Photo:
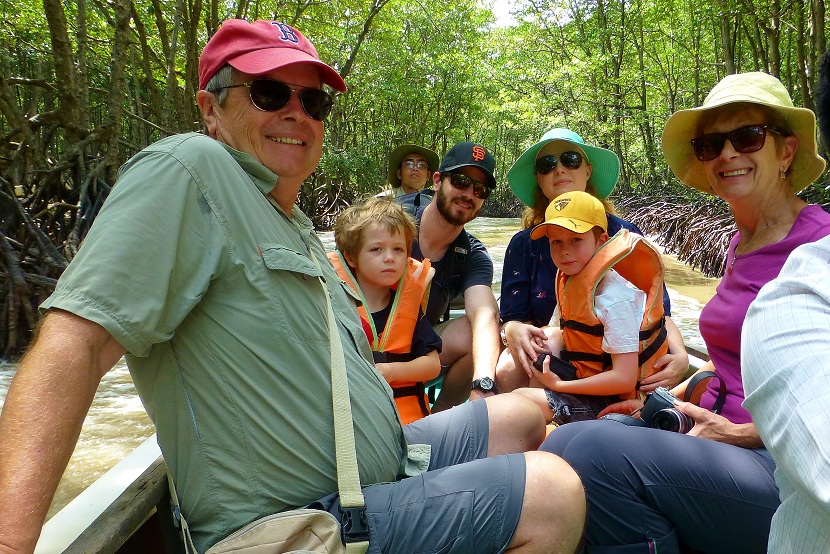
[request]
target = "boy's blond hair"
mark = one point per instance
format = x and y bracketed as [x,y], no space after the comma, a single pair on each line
[348,230]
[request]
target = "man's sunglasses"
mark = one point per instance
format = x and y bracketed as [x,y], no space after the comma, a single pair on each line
[569,159]
[746,139]
[269,96]
[463,182]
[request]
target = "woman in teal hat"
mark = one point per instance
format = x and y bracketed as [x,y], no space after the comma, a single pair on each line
[560,162]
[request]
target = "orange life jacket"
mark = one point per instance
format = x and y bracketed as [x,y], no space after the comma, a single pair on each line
[396,337]
[639,262]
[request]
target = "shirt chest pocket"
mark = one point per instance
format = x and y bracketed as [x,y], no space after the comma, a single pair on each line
[281,258]
[293,282]
[290,281]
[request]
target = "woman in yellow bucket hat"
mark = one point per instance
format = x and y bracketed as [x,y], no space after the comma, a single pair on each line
[650,490]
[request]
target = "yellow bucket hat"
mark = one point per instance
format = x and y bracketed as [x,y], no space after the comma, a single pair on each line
[753,88]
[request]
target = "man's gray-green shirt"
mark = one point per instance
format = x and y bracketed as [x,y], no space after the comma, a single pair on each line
[212,291]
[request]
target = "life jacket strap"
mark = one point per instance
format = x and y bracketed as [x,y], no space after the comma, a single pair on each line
[646,333]
[651,349]
[597,330]
[418,391]
[573,356]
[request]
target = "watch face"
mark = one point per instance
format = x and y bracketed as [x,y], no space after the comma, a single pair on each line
[486,384]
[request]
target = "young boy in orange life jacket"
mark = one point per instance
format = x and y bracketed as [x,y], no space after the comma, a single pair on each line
[374,242]
[609,308]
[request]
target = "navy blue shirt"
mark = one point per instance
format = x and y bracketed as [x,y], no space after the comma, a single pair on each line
[465,264]
[528,280]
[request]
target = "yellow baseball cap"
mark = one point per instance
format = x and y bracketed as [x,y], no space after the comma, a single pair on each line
[576,211]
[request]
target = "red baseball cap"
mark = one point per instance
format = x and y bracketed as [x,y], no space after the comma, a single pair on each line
[260,47]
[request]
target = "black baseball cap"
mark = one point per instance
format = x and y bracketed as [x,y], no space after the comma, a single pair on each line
[470,153]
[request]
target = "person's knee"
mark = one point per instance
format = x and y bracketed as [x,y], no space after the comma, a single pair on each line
[551,473]
[593,443]
[509,376]
[456,339]
[553,509]
[516,424]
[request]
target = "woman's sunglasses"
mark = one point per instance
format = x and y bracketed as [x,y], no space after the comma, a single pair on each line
[569,159]
[746,139]
[269,96]
[463,182]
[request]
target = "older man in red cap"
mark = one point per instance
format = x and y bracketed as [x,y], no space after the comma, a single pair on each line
[205,275]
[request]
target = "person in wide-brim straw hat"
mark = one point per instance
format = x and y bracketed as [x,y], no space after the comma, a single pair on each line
[560,162]
[752,148]
[757,88]
[401,153]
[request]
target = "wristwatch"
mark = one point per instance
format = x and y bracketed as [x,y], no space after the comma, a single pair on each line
[503,334]
[485,384]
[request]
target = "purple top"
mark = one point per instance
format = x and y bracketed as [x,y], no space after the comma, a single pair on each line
[722,318]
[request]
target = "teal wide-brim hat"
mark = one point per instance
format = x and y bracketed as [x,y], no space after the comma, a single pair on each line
[750,88]
[605,166]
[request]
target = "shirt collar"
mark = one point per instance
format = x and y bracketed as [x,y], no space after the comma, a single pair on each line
[265,180]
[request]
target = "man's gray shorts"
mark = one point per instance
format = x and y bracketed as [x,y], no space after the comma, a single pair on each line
[464,503]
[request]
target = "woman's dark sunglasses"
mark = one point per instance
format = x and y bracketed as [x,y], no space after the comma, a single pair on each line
[269,96]
[746,139]
[569,159]
[463,182]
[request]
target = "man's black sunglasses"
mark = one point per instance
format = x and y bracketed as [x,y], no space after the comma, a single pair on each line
[463,182]
[269,95]
[569,159]
[746,139]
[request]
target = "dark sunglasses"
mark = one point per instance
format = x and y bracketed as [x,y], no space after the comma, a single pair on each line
[269,96]
[463,182]
[569,159]
[746,139]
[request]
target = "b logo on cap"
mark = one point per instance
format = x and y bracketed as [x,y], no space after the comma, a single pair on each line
[478,153]
[287,32]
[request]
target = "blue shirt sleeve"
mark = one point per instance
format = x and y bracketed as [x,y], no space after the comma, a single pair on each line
[528,281]
[424,338]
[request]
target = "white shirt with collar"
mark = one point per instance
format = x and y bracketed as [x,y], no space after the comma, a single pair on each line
[785,359]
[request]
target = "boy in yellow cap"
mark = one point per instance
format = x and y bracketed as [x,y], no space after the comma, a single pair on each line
[611,329]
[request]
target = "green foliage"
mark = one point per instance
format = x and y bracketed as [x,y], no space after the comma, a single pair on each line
[423,71]
[433,73]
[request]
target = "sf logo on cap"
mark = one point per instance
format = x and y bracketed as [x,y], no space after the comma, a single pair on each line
[478,153]
[287,32]
[560,205]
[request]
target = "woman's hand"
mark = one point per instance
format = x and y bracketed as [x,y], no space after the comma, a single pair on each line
[525,342]
[625,407]
[672,369]
[715,427]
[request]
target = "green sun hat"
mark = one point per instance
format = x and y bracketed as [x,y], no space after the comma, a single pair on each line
[605,166]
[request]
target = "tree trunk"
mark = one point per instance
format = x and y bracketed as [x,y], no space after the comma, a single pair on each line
[727,50]
[69,90]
